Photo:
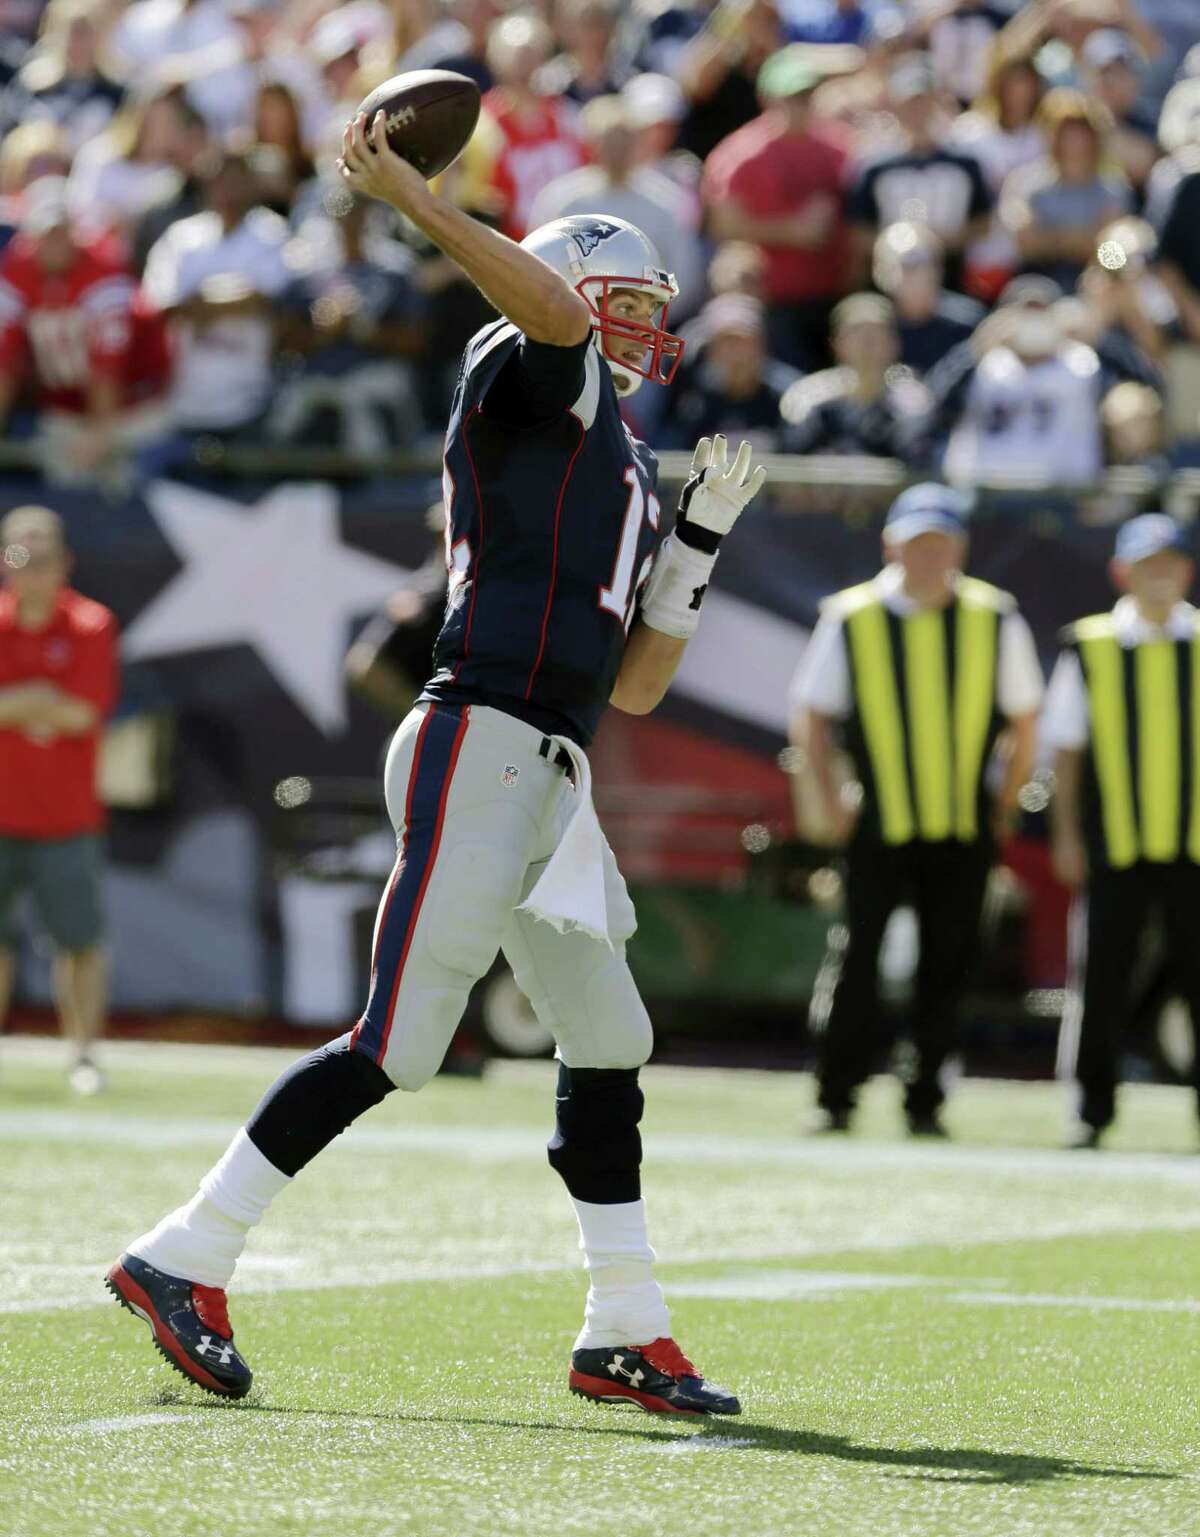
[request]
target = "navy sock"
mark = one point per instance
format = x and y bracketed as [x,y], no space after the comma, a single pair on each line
[313,1102]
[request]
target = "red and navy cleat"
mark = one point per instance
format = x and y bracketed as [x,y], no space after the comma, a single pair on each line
[189,1323]
[658,1377]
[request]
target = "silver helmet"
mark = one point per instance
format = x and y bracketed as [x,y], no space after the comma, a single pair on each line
[599,254]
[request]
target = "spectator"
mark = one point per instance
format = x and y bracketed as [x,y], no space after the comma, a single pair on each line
[613,184]
[58,681]
[656,108]
[62,78]
[188,150]
[34,150]
[1126,312]
[338,43]
[353,313]
[778,182]
[1001,131]
[525,138]
[1135,427]
[1111,66]
[1022,403]
[734,386]
[930,320]
[459,42]
[1056,207]
[719,69]
[282,160]
[828,21]
[214,278]
[961,38]
[155,40]
[864,405]
[128,168]
[738,267]
[589,66]
[926,182]
[1179,136]
[1179,250]
[66,326]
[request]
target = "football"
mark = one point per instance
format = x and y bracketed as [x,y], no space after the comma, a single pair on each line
[431,113]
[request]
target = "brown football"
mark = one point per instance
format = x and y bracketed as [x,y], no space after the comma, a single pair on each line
[431,113]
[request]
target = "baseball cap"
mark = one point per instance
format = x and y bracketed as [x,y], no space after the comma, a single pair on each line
[1109,45]
[654,99]
[1147,534]
[912,75]
[787,72]
[1032,290]
[929,508]
[862,309]
[45,205]
[737,313]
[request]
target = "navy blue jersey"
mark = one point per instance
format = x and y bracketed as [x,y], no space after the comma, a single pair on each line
[552,524]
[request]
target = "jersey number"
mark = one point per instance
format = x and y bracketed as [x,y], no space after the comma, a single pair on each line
[617,598]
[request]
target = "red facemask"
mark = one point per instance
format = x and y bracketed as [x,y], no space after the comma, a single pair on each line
[665,349]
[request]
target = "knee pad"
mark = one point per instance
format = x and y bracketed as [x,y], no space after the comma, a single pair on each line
[596,1147]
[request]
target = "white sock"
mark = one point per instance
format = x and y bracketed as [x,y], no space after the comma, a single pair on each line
[625,1304]
[203,1240]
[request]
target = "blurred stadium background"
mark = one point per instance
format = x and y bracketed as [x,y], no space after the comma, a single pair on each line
[238,416]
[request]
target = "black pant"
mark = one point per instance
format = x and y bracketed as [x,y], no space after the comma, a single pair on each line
[945,883]
[1119,904]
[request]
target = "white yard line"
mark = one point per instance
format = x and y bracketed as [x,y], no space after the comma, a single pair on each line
[487,1142]
[128,1422]
[1088,1304]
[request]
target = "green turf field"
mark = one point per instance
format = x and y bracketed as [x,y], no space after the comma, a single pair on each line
[989,1338]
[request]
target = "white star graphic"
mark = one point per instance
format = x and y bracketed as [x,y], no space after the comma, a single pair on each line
[275,576]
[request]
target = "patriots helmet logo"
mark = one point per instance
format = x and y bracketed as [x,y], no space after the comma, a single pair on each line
[588,233]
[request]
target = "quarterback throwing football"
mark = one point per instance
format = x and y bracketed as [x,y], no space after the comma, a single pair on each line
[563,597]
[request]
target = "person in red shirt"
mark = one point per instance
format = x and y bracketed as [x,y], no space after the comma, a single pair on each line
[778,182]
[58,681]
[532,138]
[68,324]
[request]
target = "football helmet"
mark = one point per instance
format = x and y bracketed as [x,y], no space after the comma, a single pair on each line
[599,254]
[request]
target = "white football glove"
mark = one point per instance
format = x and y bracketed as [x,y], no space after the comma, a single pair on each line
[716,493]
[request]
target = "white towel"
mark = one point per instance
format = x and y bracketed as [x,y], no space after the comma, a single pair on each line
[570,893]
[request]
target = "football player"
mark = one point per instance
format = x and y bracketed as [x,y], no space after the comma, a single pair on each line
[563,597]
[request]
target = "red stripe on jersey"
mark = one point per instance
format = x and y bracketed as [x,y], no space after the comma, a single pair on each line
[562,491]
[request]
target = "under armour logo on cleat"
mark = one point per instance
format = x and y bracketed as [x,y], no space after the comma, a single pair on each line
[618,1368]
[208,1346]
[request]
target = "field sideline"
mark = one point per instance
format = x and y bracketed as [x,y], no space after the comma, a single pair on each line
[988,1339]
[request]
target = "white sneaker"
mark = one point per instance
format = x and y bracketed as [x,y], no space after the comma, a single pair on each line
[86,1078]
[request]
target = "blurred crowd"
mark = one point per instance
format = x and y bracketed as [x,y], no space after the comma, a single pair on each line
[961,234]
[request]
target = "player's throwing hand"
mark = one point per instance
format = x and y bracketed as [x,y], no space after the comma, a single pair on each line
[716,492]
[371,166]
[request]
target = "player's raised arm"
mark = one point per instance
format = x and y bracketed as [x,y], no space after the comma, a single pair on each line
[713,499]
[521,286]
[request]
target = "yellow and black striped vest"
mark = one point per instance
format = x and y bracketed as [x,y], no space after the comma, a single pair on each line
[924,716]
[1142,786]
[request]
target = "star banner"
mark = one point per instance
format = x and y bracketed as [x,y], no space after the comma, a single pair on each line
[237,604]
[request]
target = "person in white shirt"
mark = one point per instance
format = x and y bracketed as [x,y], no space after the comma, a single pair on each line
[1021,405]
[1120,718]
[215,276]
[925,674]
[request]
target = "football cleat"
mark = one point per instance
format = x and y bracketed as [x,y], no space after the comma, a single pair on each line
[189,1323]
[658,1377]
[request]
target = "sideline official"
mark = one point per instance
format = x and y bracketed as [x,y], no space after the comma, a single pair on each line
[1123,717]
[923,669]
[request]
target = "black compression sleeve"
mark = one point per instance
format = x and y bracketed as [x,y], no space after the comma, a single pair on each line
[538,382]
